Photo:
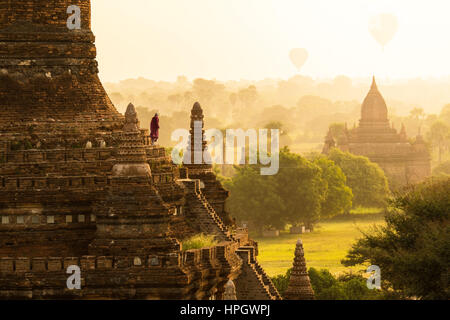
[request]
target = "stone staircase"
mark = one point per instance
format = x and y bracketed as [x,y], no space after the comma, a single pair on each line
[253,283]
[202,214]
[266,280]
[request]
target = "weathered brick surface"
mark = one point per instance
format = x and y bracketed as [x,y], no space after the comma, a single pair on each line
[253,283]
[80,185]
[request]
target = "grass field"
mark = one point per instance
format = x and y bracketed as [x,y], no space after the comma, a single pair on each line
[324,248]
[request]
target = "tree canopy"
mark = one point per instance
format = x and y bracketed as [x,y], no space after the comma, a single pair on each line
[339,196]
[413,248]
[366,179]
[302,192]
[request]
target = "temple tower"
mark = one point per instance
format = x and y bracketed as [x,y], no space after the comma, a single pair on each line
[79,184]
[56,128]
[197,148]
[49,85]
[374,109]
[402,162]
[299,287]
[133,219]
[198,168]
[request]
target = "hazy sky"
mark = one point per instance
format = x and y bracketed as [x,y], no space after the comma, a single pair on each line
[252,39]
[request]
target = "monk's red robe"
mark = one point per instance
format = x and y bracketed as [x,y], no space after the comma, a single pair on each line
[154,128]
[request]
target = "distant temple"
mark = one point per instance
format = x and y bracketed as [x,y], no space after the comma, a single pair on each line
[80,184]
[403,162]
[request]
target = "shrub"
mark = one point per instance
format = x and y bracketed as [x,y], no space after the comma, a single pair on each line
[199,241]
[348,286]
[281,282]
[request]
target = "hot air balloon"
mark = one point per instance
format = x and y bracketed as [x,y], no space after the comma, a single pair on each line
[298,57]
[383,27]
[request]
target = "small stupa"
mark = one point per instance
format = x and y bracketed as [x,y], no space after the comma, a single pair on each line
[299,287]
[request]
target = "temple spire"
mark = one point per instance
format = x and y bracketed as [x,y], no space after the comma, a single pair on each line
[197,150]
[374,86]
[374,110]
[299,287]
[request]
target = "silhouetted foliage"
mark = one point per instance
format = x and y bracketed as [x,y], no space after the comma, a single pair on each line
[326,286]
[413,249]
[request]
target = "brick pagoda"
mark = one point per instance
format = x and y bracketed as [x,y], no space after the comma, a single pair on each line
[80,184]
[402,161]
[299,287]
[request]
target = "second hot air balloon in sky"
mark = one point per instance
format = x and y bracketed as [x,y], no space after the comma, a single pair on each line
[383,28]
[298,57]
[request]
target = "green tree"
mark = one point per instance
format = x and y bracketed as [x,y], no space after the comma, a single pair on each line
[413,248]
[348,286]
[301,187]
[294,195]
[281,281]
[338,199]
[255,198]
[326,286]
[302,192]
[366,179]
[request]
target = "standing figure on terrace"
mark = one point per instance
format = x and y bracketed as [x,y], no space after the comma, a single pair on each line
[154,129]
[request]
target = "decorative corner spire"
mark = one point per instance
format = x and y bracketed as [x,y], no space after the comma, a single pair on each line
[131,119]
[197,107]
[130,109]
[403,130]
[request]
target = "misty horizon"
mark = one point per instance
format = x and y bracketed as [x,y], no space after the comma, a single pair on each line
[252,40]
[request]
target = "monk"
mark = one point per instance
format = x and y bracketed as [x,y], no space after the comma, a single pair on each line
[154,129]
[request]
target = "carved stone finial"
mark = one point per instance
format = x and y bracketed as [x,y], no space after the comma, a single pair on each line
[131,119]
[197,113]
[197,107]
